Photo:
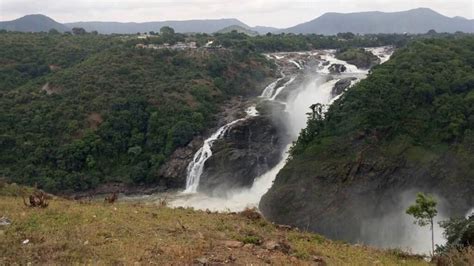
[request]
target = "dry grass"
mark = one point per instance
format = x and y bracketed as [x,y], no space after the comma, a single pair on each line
[456,257]
[68,232]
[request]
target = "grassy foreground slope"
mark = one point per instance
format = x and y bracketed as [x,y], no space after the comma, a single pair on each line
[125,233]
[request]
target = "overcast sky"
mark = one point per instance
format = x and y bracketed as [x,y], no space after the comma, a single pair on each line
[277,13]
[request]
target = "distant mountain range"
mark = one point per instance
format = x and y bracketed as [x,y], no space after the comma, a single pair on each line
[418,20]
[38,23]
[33,23]
[185,26]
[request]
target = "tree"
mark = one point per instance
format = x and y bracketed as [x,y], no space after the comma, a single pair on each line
[53,31]
[459,233]
[167,31]
[424,210]
[78,31]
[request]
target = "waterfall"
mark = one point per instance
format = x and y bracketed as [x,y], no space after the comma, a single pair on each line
[316,90]
[296,64]
[282,88]
[196,166]
[469,213]
[383,53]
[270,89]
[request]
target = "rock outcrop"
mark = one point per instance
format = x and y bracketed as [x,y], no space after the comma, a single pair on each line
[248,149]
[359,57]
[174,170]
[360,201]
[337,68]
[341,85]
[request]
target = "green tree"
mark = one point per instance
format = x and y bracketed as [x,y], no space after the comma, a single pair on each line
[78,31]
[53,31]
[167,31]
[424,210]
[459,233]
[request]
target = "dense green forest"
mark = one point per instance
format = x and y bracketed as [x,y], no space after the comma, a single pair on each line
[411,119]
[77,111]
[423,97]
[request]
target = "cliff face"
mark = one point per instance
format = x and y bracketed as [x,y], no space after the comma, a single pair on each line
[339,196]
[249,149]
[407,128]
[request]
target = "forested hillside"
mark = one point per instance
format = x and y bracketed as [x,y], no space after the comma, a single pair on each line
[80,110]
[76,111]
[408,126]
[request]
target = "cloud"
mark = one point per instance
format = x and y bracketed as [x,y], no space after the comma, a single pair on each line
[280,13]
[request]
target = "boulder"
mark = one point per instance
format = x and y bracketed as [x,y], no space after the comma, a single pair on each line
[337,68]
[341,85]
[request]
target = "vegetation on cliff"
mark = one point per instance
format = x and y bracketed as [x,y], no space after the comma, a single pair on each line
[418,103]
[358,57]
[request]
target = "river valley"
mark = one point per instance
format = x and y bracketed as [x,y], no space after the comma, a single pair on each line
[226,179]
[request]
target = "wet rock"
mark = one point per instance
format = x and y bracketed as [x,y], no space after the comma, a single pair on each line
[337,68]
[363,203]
[341,85]
[249,149]
[174,170]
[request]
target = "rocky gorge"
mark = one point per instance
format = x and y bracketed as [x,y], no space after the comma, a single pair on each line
[250,150]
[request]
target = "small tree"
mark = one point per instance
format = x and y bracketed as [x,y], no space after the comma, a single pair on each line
[424,210]
[53,31]
[78,31]
[166,30]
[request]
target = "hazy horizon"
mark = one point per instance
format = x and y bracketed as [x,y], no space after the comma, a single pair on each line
[278,14]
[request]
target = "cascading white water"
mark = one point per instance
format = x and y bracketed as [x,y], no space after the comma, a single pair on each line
[469,213]
[296,64]
[331,58]
[196,166]
[280,89]
[383,53]
[316,90]
[235,200]
[270,89]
